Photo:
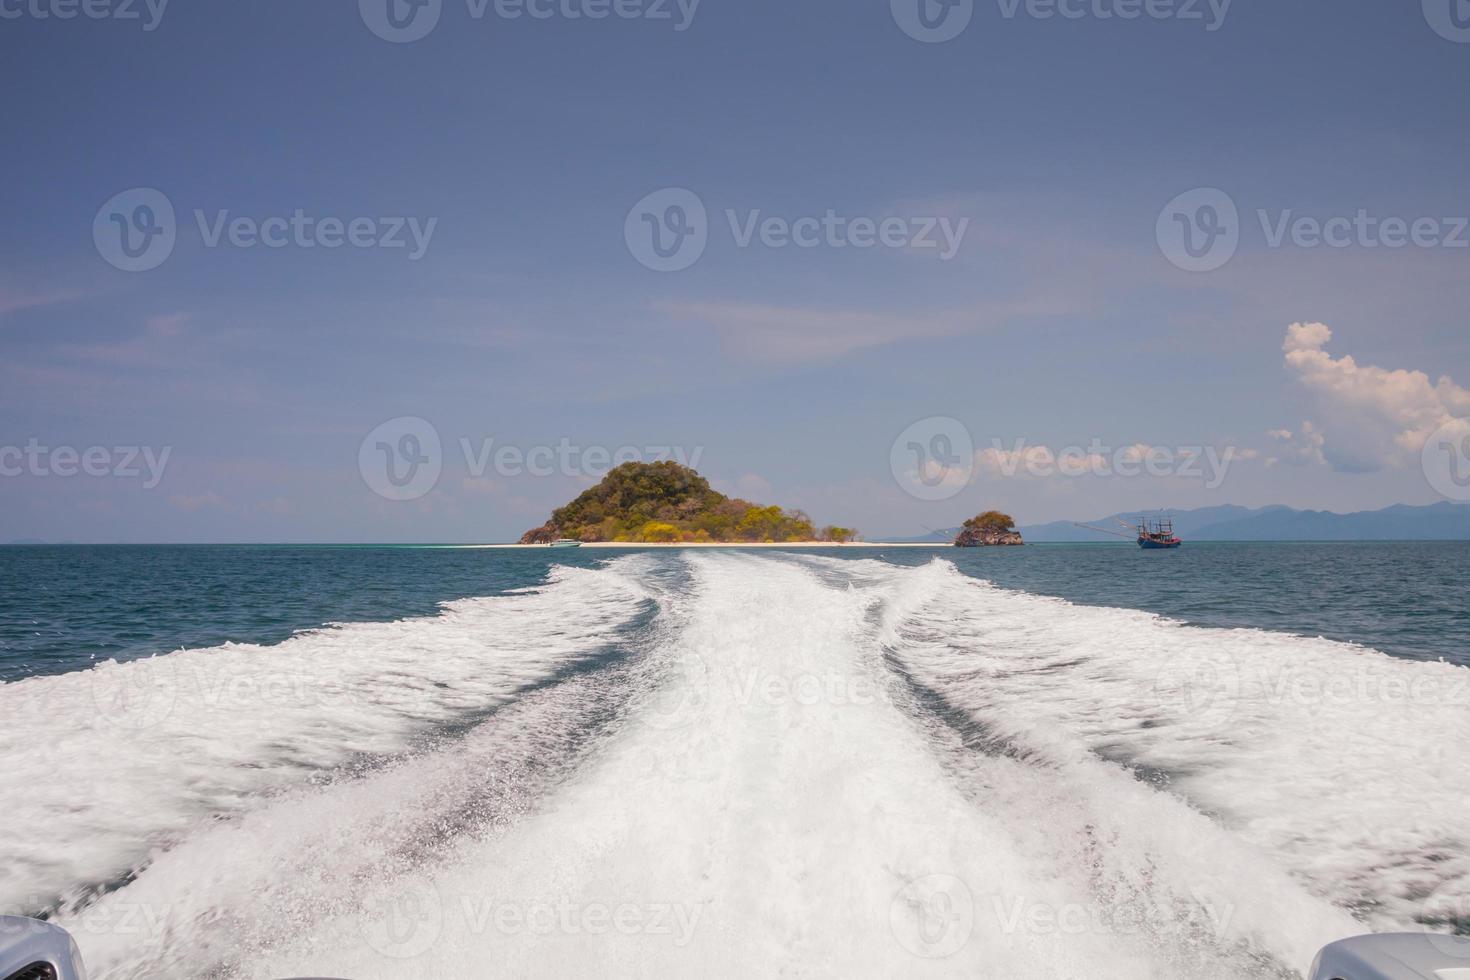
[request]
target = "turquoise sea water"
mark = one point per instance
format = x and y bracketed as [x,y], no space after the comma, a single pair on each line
[389,762]
[65,607]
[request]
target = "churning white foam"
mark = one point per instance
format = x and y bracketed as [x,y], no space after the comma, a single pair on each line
[806,766]
[770,808]
[104,765]
[1342,763]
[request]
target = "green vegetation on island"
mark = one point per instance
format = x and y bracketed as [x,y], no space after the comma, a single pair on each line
[988,529]
[665,502]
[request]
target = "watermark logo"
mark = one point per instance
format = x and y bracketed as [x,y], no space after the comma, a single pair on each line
[937,21]
[401,459]
[565,458]
[681,696]
[1210,13]
[1199,230]
[668,230]
[401,21]
[1021,914]
[1449,18]
[1201,693]
[136,230]
[836,231]
[1446,460]
[676,922]
[148,12]
[404,921]
[121,462]
[1216,692]
[135,696]
[1364,229]
[933,21]
[302,230]
[933,459]
[405,21]
[933,916]
[1207,464]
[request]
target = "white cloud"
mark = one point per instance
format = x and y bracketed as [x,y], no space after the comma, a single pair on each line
[1298,447]
[1369,417]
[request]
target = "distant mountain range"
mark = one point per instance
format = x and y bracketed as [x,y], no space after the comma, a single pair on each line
[1401,522]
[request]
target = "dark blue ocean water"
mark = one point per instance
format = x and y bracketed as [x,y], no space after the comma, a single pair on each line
[63,608]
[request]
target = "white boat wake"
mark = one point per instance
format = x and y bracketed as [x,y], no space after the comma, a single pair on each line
[796,765]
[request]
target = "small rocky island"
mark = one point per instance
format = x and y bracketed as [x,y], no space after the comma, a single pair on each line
[989,529]
[667,503]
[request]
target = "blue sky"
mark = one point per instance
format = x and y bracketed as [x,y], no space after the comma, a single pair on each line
[529,320]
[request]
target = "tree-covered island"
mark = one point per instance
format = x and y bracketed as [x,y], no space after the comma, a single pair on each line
[666,502]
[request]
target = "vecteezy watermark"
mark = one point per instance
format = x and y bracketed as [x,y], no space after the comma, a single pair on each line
[669,230]
[678,922]
[404,920]
[136,231]
[108,915]
[806,689]
[933,459]
[933,916]
[115,916]
[1207,464]
[1212,691]
[134,696]
[937,21]
[1446,460]
[684,687]
[147,12]
[121,462]
[1200,230]
[1022,914]
[403,458]
[1209,13]
[680,694]
[301,230]
[932,21]
[1449,18]
[1200,692]
[405,21]
[565,458]
[141,694]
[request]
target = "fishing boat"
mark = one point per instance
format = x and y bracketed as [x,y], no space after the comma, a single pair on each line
[1157,534]
[565,543]
[1151,535]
